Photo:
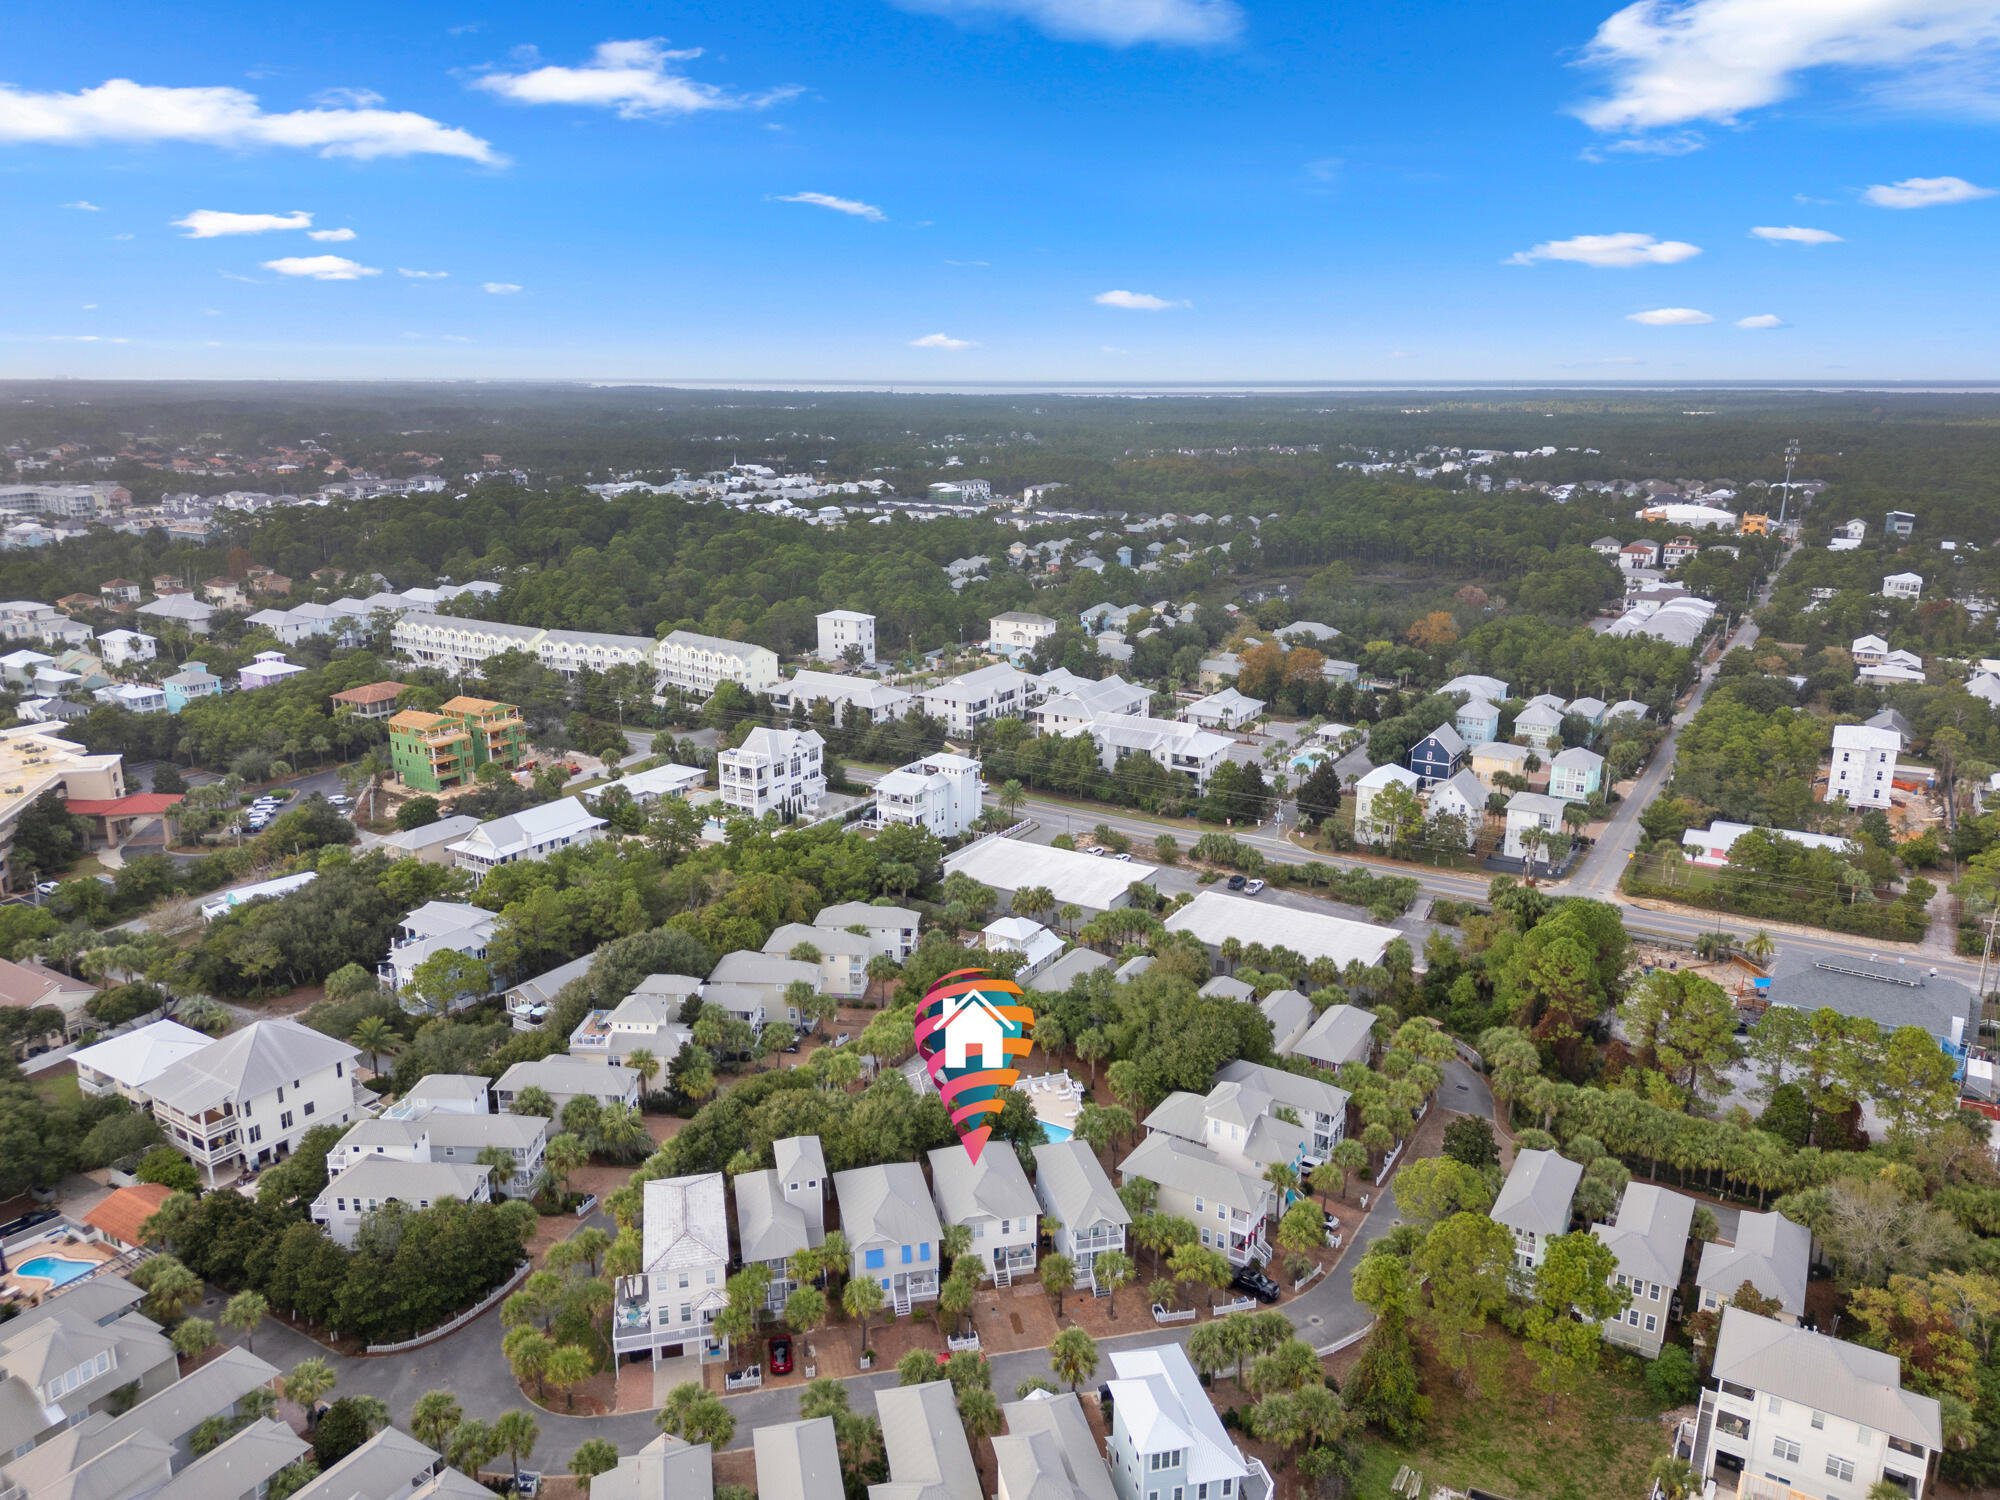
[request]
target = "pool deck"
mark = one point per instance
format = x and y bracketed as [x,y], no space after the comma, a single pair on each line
[18,1286]
[1056,1097]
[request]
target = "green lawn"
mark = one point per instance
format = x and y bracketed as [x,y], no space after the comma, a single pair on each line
[59,1090]
[1506,1443]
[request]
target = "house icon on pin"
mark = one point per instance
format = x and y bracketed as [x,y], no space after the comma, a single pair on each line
[972,1024]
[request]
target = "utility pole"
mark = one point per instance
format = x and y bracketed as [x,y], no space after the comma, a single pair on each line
[1986,953]
[1791,458]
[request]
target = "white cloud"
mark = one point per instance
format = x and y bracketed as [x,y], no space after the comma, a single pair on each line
[1117,23]
[1761,320]
[1136,301]
[84,338]
[210,223]
[1673,61]
[852,206]
[1925,192]
[90,307]
[330,236]
[121,110]
[635,78]
[1625,249]
[499,288]
[355,98]
[1792,234]
[321,267]
[1670,317]
[421,275]
[1680,143]
[940,341]
[85,206]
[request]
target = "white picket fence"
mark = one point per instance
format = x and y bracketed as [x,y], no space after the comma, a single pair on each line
[968,1344]
[1161,1315]
[1318,1270]
[1241,1304]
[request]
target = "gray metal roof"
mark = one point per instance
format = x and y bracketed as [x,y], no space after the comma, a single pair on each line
[768,1227]
[667,1468]
[389,1463]
[240,1466]
[1343,1033]
[1889,994]
[253,1061]
[1072,965]
[929,1457]
[1538,1193]
[1049,1452]
[1076,1186]
[1864,1386]
[1295,1089]
[1771,1253]
[994,1187]
[886,1202]
[798,1461]
[1650,1234]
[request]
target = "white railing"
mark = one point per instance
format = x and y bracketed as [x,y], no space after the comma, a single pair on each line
[744,1380]
[452,1325]
[1389,1164]
[1241,1304]
[1161,1315]
[1318,1270]
[970,1343]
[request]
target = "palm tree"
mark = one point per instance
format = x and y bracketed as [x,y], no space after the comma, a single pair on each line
[500,1161]
[696,1415]
[641,1061]
[434,1418]
[192,1338]
[375,1036]
[569,1364]
[564,1155]
[593,1456]
[862,1297]
[309,1381]
[979,1412]
[1111,1270]
[1073,1356]
[1058,1275]
[515,1434]
[245,1311]
[622,1133]
[1760,948]
[528,1349]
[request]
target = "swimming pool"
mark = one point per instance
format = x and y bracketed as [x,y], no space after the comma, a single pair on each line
[1054,1133]
[57,1270]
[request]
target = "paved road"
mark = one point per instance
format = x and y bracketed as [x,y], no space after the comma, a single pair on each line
[468,1363]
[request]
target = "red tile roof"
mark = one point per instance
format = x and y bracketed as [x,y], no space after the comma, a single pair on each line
[124,1211]
[123,807]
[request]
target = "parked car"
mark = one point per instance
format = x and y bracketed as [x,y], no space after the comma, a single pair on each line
[1093,849]
[1253,887]
[1237,882]
[781,1356]
[1125,855]
[1256,1283]
[47,887]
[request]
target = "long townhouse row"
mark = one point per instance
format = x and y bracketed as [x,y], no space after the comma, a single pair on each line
[693,663]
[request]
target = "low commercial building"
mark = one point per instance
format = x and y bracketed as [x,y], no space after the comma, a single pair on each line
[1214,918]
[1091,884]
[1710,846]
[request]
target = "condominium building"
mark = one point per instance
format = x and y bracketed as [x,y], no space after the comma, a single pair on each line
[1017,632]
[246,1100]
[964,703]
[843,629]
[698,664]
[434,752]
[1863,769]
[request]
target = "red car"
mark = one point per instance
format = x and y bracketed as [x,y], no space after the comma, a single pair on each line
[781,1356]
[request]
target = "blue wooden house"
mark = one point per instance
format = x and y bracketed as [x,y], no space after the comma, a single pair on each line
[1439,755]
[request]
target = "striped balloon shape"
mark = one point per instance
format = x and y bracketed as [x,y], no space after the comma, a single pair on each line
[972,1094]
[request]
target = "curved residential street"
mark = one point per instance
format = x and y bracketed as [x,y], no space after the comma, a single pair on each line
[468,1363]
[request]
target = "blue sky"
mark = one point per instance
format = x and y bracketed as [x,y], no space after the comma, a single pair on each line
[966,190]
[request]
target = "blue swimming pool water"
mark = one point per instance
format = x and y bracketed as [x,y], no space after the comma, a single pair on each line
[56,1269]
[1054,1133]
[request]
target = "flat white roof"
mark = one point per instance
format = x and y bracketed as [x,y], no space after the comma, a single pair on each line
[1097,882]
[1213,916]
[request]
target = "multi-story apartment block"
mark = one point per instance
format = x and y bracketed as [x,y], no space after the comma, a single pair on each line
[1863,769]
[964,703]
[781,1211]
[573,651]
[245,1100]
[1534,1204]
[1788,1411]
[941,793]
[1166,1439]
[774,770]
[992,1198]
[458,644]
[843,629]
[684,1267]
[892,1230]
[1074,1190]
[698,664]
[434,752]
